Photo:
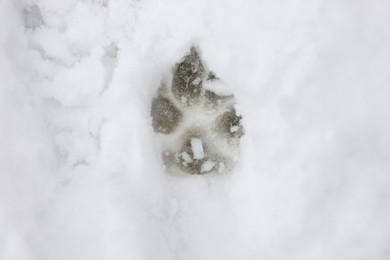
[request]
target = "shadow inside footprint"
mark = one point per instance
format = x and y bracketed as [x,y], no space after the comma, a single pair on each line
[32,17]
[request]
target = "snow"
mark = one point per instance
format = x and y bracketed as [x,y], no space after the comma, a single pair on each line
[197,148]
[186,157]
[207,166]
[81,175]
[196,81]
[218,87]
[234,129]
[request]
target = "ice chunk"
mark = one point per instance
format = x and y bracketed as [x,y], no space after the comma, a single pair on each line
[186,157]
[196,81]
[207,166]
[234,129]
[197,148]
[218,87]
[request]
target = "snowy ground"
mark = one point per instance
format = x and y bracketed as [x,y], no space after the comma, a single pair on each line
[80,168]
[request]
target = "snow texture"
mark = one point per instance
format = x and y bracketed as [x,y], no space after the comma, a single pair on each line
[81,175]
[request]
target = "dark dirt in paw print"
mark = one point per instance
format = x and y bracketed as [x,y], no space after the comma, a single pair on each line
[166,116]
[196,124]
[187,79]
[229,124]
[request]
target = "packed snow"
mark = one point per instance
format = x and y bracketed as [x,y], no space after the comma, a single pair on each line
[207,166]
[186,157]
[197,148]
[81,173]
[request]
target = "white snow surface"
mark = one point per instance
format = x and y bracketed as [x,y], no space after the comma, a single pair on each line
[81,175]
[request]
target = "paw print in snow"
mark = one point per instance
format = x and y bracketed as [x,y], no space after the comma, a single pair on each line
[196,119]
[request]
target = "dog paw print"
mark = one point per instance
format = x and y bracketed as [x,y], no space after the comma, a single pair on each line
[195,117]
